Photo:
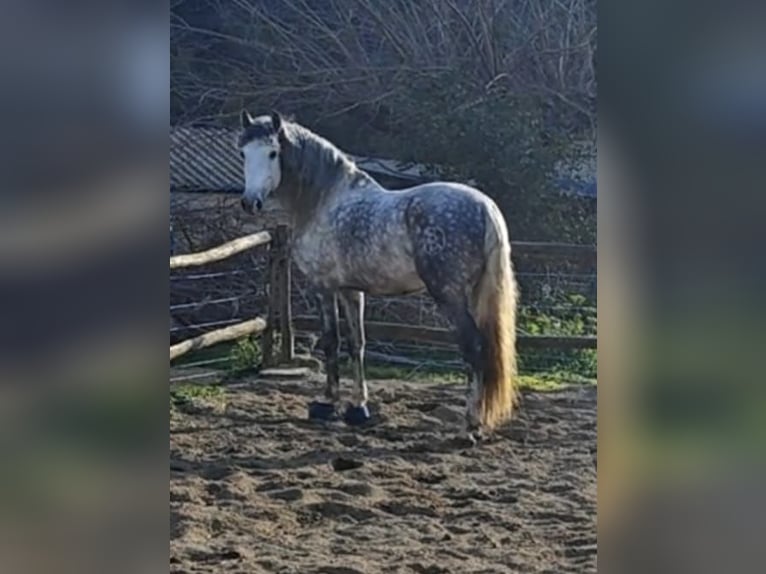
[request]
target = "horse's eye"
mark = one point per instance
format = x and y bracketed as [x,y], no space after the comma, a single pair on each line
[272,155]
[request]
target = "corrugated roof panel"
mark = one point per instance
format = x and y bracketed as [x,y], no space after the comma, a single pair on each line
[204,159]
[207,159]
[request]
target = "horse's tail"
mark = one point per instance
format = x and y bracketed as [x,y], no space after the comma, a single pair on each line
[494,309]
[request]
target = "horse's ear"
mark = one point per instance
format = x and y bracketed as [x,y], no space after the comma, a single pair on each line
[276,121]
[246,119]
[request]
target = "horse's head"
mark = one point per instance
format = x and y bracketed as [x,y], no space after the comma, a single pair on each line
[259,144]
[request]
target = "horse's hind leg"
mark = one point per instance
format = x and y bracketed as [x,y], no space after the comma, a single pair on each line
[353,305]
[329,343]
[469,341]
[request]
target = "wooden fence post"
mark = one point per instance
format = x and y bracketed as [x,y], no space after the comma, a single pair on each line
[285,306]
[272,301]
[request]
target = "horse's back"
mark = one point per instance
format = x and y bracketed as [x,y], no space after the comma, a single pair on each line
[396,242]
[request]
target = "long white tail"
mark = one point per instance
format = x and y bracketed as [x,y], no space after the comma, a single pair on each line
[494,309]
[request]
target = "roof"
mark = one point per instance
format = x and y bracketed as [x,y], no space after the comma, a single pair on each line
[205,159]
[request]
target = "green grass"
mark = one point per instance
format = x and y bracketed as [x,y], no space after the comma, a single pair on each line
[552,381]
[190,391]
[183,395]
[568,369]
[542,381]
[245,354]
[541,369]
[375,370]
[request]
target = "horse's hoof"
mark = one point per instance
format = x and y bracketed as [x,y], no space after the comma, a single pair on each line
[473,437]
[356,416]
[319,411]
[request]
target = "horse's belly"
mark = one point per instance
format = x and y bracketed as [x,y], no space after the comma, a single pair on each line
[320,265]
[400,280]
[332,268]
[361,244]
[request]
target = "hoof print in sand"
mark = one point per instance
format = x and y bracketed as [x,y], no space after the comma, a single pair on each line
[463,442]
[322,411]
[356,416]
[340,464]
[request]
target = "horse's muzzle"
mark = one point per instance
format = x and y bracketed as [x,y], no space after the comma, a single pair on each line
[249,204]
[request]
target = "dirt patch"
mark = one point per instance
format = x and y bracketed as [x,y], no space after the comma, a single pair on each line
[255,487]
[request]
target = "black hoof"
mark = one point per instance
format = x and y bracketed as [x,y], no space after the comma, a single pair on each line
[322,411]
[472,437]
[356,416]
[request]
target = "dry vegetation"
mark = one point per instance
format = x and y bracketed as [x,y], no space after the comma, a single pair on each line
[341,56]
[491,91]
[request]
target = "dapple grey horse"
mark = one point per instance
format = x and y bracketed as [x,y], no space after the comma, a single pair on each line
[352,236]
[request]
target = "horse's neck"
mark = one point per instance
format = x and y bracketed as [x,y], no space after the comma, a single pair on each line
[319,175]
[307,206]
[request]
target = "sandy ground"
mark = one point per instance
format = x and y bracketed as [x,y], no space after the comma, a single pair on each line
[255,487]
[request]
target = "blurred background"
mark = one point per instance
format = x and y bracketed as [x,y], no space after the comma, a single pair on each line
[83,286]
[682,119]
[86,103]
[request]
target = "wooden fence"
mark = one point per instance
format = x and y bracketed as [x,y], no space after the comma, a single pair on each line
[278,314]
[279,319]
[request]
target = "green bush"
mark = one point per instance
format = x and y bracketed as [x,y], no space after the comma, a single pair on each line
[496,139]
[245,354]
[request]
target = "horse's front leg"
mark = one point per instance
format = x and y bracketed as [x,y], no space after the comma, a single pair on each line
[330,343]
[353,305]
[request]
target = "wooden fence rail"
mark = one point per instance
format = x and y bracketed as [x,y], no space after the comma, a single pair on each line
[438,336]
[566,251]
[222,251]
[279,304]
[279,317]
[230,333]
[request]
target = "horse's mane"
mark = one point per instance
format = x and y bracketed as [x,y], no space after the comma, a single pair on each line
[312,169]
